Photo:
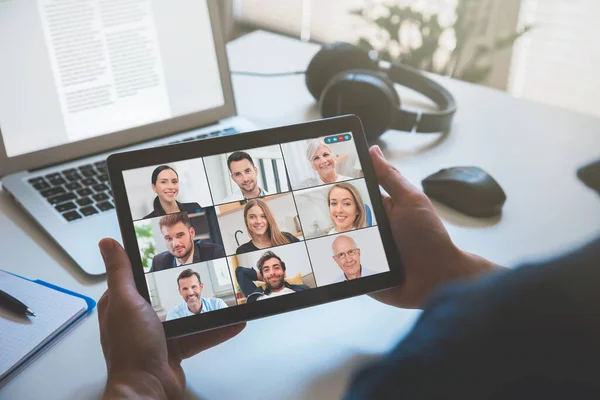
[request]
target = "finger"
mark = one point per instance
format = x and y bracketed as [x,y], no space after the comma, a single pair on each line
[388,205]
[102,304]
[194,344]
[118,268]
[389,177]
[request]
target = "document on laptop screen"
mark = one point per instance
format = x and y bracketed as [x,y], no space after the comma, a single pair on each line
[84,68]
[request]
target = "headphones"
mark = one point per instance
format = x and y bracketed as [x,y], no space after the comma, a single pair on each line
[345,80]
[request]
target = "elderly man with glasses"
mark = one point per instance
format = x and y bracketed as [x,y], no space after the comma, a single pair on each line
[347,256]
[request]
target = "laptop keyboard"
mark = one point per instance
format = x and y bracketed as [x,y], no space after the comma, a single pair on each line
[84,191]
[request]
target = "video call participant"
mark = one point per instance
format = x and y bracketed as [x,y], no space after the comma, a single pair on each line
[190,288]
[347,256]
[271,270]
[346,208]
[165,183]
[322,160]
[181,247]
[262,228]
[244,173]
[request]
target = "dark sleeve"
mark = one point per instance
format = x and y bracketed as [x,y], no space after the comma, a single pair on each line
[299,288]
[210,251]
[219,251]
[245,278]
[290,237]
[527,333]
[158,262]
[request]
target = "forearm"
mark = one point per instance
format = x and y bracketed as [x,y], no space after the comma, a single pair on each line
[474,266]
[245,277]
[134,386]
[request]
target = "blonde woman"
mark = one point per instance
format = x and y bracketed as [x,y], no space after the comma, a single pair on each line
[346,208]
[262,228]
[322,160]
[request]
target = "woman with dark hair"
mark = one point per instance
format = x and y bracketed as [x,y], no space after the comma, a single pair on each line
[262,228]
[165,183]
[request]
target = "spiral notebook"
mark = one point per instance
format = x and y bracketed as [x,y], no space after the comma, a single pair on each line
[23,339]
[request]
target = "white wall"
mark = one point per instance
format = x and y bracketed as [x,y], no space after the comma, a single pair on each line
[282,207]
[313,208]
[372,255]
[166,282]
[294,255]
[221,184]
[300,169]
[193,186]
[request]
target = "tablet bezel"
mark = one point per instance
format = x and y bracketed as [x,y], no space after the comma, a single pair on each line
[117,163]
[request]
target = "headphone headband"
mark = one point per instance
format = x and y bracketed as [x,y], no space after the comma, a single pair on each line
[422,122]
[344,79]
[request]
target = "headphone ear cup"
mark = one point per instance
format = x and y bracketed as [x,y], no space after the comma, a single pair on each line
[369,95]
[332,59]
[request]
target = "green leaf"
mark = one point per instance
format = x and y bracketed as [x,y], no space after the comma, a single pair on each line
[363,43]
[476,74]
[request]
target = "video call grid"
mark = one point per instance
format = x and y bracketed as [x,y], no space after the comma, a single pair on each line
[204,264]
[293,192]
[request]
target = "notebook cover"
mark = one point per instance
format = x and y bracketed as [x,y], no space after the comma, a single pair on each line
[58,335]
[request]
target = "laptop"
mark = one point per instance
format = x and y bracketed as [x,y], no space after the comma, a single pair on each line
[81,80]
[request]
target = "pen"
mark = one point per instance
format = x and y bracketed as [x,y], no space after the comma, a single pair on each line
[13,304]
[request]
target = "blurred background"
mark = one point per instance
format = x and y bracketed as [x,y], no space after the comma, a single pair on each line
[543,50]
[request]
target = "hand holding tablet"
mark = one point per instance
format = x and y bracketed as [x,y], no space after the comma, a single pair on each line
[430,260]
[221,231]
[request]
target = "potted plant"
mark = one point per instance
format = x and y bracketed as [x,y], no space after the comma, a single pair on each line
[406,35]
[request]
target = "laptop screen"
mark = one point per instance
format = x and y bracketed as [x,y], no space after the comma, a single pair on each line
[78,69]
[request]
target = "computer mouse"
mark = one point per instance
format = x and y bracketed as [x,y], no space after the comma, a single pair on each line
[469,190]
[590,175]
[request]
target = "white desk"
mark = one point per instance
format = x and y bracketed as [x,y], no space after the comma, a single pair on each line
[532,150]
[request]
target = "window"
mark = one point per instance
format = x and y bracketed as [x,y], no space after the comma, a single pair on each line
[556,62]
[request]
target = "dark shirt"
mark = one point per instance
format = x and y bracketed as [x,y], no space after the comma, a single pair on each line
[247,276]
[158,211]
[528,333]
[247,247]
[203,251]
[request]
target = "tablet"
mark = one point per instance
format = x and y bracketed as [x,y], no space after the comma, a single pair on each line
[236,228]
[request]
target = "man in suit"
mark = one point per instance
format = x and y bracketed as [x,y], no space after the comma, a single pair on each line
[271,270]
[181,247]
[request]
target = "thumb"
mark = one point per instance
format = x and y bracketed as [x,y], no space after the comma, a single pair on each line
[389,177]
[118,268]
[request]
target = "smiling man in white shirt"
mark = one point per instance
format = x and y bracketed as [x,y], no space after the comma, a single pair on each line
[245,175]
[190,288]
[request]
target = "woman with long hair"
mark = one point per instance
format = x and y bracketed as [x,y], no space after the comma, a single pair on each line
[165,183]
[346,208]
[262,228]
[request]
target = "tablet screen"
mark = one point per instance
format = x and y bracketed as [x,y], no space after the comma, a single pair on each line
[253,225]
